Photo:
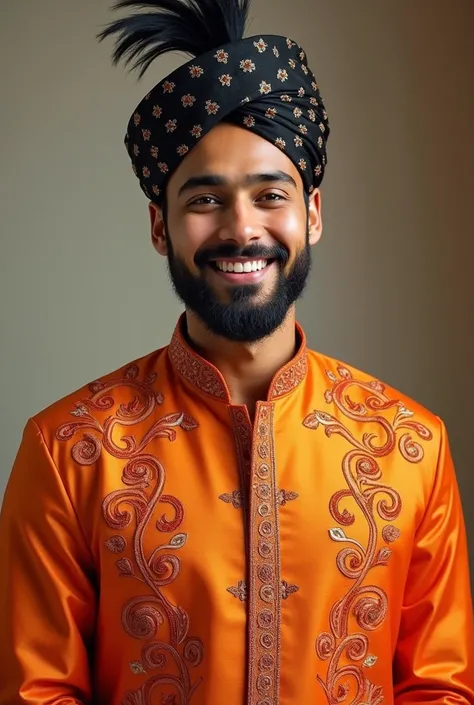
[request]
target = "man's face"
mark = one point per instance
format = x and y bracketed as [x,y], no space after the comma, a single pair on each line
[237,233]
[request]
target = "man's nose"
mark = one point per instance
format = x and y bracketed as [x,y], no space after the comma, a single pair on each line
[241,222]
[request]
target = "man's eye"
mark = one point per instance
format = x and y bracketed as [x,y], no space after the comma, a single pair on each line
[272,197]
[204,201]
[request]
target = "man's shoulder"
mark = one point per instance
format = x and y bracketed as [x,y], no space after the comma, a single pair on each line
[349,386]
[128,381]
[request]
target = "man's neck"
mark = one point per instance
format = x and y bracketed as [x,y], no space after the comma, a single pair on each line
[248,368]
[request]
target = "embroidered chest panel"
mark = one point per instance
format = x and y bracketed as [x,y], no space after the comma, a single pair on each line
[150,527]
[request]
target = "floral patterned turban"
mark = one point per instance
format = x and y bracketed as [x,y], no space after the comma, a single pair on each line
[262,84]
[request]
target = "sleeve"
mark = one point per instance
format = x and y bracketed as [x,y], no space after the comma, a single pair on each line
[47,599]
[434,659]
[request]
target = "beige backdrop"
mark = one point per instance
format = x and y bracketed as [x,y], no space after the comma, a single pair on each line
[392,291]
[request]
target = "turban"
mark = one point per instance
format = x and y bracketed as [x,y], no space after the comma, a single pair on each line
[261,83]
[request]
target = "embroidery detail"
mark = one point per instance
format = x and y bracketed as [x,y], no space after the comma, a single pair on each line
[144,478]
[390,533]
[168,700]
[116,544]
[195,369]
[188,100]
[225,79]
[247,65]
[212,107]
[196,71]
[283,497]
[235,499]
[367,603]
[240,591]
[291,375]
[208,379]
[168,86]
[136,667]
[243,441]
[264,583]
[221,56]
[287,590]
[261,45]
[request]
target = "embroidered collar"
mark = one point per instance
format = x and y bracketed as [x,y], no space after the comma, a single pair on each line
[207,378]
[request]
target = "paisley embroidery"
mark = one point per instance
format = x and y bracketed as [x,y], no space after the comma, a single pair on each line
[144,478]
[365,602]
[116,544]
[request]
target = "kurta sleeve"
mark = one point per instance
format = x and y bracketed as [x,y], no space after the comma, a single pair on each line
[47,599]
[434,659]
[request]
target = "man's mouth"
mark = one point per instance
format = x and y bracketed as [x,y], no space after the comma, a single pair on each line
[240,266]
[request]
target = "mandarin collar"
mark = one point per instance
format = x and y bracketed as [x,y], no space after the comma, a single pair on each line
[207,379]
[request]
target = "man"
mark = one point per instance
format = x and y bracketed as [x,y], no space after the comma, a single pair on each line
[233,518]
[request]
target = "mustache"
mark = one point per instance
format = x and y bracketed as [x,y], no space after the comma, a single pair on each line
[228,250]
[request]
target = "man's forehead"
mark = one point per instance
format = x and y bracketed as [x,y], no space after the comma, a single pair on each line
[234,156]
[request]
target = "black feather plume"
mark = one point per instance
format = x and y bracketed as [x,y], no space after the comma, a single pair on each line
[189,26]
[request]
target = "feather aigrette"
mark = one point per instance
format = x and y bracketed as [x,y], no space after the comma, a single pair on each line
[192,27]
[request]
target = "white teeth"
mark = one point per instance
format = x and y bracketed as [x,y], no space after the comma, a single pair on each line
[240,267]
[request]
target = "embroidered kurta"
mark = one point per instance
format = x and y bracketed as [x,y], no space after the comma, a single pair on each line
[156,547]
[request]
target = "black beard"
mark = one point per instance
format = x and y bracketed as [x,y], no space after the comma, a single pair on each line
[242,319]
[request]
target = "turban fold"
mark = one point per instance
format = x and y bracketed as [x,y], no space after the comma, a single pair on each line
[261,83]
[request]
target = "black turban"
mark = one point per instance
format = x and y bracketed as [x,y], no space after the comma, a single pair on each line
[260,83]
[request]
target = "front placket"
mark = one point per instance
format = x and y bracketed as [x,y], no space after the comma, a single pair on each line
[264,594]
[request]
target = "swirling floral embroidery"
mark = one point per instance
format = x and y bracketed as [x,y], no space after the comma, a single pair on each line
[144,479]
[367,603]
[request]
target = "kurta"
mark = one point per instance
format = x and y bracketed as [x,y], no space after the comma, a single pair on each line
[157,547]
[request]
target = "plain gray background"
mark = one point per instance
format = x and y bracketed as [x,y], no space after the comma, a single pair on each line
[392,289]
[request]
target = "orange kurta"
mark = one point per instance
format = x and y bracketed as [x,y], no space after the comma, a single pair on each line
[158,548]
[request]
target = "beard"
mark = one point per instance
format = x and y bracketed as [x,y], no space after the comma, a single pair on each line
[245,317]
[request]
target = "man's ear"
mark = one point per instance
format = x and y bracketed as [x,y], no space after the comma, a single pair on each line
[158,233]
[315,223]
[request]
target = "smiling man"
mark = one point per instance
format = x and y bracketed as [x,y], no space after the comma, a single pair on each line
[233,519]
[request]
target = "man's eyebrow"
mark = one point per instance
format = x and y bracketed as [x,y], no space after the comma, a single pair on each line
[249,180]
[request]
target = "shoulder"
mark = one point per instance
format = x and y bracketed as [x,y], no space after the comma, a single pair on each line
[372,407]
[130,382]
